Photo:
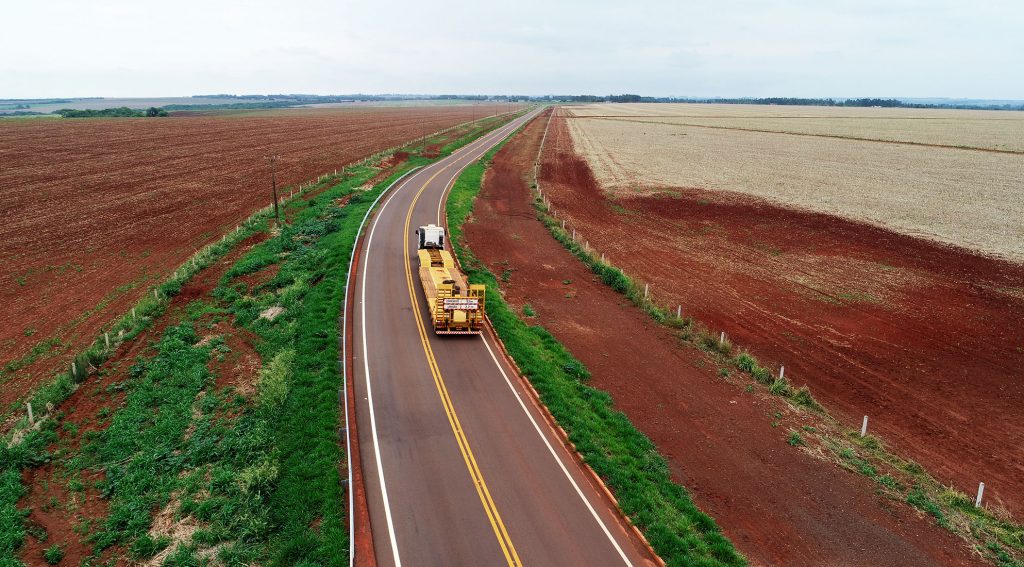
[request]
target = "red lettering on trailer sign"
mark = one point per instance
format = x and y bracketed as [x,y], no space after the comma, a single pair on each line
[463,304]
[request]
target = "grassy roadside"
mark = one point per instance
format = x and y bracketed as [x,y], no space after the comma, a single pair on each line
[627,460]
[992,533]
[191,467]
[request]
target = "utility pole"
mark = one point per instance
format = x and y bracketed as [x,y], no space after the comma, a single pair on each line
[273,180]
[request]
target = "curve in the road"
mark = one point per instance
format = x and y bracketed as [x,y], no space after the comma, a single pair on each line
[419,493]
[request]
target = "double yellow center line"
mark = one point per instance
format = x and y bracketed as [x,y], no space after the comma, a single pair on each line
[467,454]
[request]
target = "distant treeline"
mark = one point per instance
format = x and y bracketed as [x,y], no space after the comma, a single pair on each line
[37,101]
[232,105]
[120,112]
[859,102]
[261,102]
[309,98]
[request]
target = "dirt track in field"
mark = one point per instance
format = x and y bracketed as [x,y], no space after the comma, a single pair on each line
[777,503]
[95,211]
[927,340]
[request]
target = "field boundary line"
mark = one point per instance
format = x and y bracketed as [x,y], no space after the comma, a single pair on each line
[809,135]
[597,480]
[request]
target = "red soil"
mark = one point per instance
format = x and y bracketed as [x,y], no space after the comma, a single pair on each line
[780,505]
[926,339]
[91,206]
[258,278]
[53,508]
[239,367]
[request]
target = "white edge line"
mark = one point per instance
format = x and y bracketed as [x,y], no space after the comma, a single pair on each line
[366,370]
[344,371]
[558,460]
[526,410]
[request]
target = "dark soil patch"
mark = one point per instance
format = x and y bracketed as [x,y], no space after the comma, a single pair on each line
[236,364]
[58,515]
[258,278]
[388,166]
[779,504]
[432,151]
[59,512]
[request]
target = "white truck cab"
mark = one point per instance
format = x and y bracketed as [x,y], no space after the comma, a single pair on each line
[431,236]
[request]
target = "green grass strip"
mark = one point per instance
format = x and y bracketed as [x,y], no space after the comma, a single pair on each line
[627,460]
[12,531]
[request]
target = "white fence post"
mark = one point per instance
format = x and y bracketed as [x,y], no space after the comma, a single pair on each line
[721,339]
[782,372]
[981,490]
[31,418]
[106,337]
[864,427]
[646,286]
[679,311]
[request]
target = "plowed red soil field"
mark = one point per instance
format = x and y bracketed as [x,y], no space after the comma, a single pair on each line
[926,339]
[779,505]
[94,211]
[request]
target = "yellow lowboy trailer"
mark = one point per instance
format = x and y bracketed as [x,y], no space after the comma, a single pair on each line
[456,308]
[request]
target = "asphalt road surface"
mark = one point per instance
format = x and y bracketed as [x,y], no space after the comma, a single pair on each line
[459,465]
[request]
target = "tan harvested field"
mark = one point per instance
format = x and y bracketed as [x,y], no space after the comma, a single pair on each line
[981,129]
[967,197]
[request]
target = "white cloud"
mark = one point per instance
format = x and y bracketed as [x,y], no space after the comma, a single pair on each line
[702,48]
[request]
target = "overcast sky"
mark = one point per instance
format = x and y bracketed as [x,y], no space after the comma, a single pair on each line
[813,48]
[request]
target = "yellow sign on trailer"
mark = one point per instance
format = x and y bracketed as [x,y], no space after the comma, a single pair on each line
[456,308]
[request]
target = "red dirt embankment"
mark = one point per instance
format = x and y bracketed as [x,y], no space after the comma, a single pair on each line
[926,339]
[779,505]
[95,211]
[59,513]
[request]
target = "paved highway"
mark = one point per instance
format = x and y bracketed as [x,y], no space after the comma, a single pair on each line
[459,466]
